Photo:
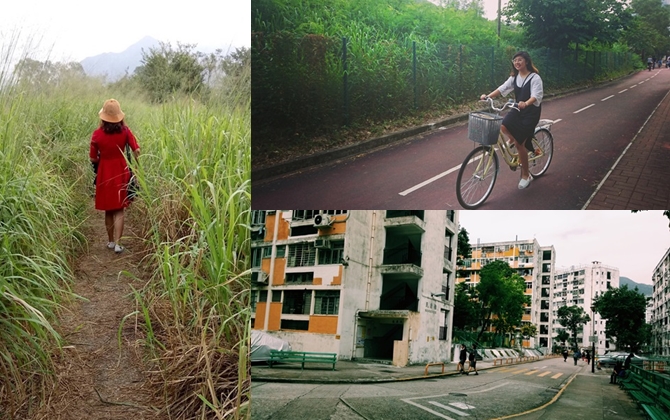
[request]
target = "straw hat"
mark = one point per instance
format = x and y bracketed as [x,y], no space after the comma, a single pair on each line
[111,111]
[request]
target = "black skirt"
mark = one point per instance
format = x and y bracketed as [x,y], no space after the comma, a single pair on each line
[521,124]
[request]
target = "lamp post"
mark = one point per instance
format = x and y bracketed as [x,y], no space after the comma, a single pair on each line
[593,338]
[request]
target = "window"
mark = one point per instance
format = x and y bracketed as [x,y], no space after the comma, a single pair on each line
[267,252]
[301,255]
[289,324]
[300,277]
[281,251]
[297,302]
[333,255]
[263,296]
[276,296]
[254,295]
[256,256]
[326,302]
[304,214]
[334,212]
[257,217]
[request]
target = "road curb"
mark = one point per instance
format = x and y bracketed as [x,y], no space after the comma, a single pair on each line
[327,156]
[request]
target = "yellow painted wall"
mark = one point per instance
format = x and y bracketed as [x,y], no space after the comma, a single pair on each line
[282,232]
[337,280]
[318,281]
[274,320]
[260,315]
[338,226]
[323,324]
[280,266]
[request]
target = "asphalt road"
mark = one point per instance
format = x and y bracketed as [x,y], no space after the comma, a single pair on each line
[493,393]
[592,130]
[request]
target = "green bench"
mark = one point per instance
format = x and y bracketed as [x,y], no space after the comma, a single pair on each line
[646,394]
[301,357]
[661,410]
[627,381]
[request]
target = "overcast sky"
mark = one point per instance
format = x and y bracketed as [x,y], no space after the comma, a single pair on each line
[71,30]
[491,8]
[632,242]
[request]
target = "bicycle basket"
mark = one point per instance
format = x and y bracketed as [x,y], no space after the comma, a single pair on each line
[484,127]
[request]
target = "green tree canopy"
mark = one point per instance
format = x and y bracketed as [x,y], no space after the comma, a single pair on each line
[165,71]
[466,310]
[573,319]
[562,336]
[624,310]
[559,23]
[464,250]
[501,293]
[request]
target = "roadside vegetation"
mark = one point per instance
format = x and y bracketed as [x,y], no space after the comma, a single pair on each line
[327,74]
[195,133]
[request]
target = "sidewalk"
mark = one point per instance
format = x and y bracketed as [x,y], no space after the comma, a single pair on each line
[638,179]
[587,395]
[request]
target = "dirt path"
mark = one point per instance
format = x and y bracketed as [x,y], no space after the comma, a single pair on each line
[97,378]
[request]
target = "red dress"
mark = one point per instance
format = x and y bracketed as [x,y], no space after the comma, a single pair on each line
[113,173]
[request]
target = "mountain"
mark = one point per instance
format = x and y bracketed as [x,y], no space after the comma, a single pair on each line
[645,289]
[115,65]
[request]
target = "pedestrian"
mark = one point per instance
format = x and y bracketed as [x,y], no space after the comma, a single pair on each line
[107,145]
[626,364]
[576,356]
[588,357]
[565,354]
[615,372]
[461,360]
[519,126]
[473,360]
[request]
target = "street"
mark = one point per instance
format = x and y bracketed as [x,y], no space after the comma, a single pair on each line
[593,128]
[493,393]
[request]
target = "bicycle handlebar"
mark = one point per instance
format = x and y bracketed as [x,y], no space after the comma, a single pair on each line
[509,104]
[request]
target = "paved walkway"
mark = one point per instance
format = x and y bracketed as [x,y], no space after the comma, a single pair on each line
[639,179]
[586,396]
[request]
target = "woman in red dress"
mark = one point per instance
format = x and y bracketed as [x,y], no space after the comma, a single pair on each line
[107,149]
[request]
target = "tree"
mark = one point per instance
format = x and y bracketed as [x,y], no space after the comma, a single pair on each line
[573,318]
[501,293]
[464,250]
[165,72]
[47,74]
[558,23]
[466,311]
[624,310]
[562,336]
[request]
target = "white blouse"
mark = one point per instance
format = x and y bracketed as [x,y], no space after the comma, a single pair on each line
[536,90]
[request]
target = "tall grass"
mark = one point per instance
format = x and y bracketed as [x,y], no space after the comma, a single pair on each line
[195,174]
[193,209]
[40,215]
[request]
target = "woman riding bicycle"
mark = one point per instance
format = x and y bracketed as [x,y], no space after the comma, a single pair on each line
[519,126]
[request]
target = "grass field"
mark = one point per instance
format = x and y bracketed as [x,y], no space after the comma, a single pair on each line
[194,206]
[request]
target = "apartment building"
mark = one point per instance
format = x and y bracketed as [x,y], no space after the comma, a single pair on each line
[531,261]
[579,286]
[660,330]
[362,284]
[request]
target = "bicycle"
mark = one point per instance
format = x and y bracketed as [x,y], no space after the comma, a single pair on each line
[479,170]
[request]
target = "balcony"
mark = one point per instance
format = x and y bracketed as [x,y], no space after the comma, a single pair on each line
[405,222]
[402,261]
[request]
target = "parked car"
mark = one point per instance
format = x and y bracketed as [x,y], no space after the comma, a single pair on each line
[262,343]
[611,359]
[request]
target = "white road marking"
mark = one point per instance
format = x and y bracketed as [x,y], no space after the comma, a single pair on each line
[604,99]
[632,87]
[544,373]
[558,375]
[446,407]
[428,410]
[623,91]
[555,121]
[428,181]
[585,108]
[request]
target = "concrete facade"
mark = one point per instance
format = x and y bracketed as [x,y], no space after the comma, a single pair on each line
[362,284]
[660,329]
[580,285]
[531,261]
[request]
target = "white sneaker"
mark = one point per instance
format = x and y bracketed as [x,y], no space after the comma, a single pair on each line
[524,183]
[111,245]
[118,249]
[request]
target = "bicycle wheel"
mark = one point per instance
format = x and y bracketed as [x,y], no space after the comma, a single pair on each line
[477,176]
[543,141]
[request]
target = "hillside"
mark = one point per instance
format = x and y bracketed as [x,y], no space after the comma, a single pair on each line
[115,65]
[645,289]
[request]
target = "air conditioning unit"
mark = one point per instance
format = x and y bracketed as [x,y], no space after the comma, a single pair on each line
[259,277]
[322,243]
[322,221]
